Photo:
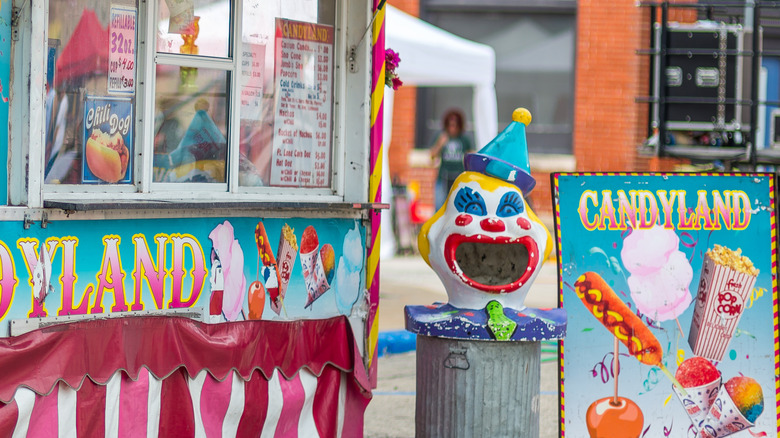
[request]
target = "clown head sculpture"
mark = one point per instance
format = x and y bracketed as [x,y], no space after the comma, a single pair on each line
[485,243]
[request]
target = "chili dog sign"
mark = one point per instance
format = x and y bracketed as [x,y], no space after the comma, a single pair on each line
[674,267]
[108,140]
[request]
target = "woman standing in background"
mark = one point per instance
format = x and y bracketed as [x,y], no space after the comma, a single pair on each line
[450,148]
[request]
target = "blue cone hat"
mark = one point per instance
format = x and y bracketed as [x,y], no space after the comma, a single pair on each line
[506,156]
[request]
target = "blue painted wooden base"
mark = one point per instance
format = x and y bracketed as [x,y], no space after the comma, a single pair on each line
[446,321]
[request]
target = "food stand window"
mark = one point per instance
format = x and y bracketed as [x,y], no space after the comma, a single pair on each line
[145,98]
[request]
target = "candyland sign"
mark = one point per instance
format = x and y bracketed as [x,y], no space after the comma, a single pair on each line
[669,284]
[237,268]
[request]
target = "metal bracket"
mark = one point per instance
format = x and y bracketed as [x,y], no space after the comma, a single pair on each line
[352,56]
[457,359]
[352,60]
[16,12]
[29,221]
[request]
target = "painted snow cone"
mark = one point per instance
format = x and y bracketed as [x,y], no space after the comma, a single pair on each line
[739,403]
[487,246]
[317,263]
[701,381]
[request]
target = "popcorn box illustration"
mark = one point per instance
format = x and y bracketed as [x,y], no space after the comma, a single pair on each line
[727,278]
[285,259]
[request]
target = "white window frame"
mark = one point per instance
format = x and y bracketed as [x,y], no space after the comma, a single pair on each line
[350,116]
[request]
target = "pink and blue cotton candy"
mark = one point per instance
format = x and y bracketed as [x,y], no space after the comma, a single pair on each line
[232,258]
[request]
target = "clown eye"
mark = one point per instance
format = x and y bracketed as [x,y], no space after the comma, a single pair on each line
[511,204]
[469,201]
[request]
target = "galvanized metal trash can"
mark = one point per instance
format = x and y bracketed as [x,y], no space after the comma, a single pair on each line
[470,388]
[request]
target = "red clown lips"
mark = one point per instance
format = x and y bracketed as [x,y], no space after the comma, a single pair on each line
[492,264]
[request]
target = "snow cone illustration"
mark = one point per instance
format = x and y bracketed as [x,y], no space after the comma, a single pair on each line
[701,381]
[739,403]
[485,243]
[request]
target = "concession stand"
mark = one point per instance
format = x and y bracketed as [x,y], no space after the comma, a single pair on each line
[189,217]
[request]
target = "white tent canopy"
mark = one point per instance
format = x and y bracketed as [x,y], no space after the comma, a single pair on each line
[432,57]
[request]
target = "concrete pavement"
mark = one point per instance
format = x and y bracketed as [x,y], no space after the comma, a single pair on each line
[409,280]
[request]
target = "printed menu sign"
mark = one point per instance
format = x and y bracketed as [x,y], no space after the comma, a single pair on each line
[121,50]
[252,67]
[302,119]
[182,13]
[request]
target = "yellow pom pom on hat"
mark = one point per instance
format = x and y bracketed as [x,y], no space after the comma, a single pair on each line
[506,156]
[522,115]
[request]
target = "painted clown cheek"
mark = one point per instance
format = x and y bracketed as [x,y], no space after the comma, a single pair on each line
[524,223]
[463,219]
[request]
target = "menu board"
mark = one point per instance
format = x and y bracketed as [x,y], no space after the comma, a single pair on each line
[121,50]
[252,66]
[303,73]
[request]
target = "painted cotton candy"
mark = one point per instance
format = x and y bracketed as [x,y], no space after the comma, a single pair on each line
[663,294]
[647,250]
[348,273]
[353,248]
[232,257]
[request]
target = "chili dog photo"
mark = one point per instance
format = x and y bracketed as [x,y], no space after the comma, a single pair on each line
[108,140]
[107,156]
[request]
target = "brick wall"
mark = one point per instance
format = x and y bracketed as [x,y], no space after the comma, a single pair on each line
[404,110]
[425,177]
[608,123]
[541,198]
[403,139]
[609,76]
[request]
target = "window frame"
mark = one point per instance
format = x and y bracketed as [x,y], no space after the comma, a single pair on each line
[350,119]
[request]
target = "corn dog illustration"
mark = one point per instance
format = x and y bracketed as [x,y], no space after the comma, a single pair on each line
[616,317]
[264,246]
[625,325]
[269,271]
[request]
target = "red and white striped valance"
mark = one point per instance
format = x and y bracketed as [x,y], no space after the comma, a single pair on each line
[160,376]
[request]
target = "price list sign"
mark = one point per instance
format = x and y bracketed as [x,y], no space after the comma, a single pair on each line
[121,50]
[303,101]
[252,66]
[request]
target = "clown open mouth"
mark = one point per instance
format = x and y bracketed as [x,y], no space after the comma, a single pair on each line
[494,265]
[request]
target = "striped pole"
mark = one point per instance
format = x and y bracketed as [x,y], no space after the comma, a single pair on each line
[773,226]
[375,180]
